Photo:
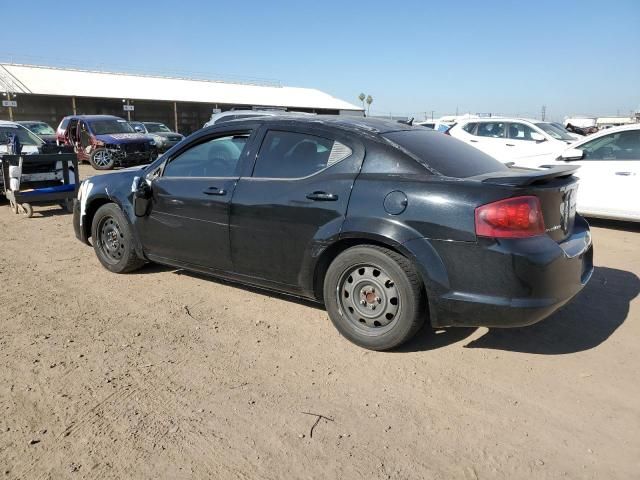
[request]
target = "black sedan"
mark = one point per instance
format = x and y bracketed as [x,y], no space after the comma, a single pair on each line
[388,225]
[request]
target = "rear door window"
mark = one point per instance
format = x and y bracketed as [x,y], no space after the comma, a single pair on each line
[520,131]
[444,154]
[296,155]
[491,129]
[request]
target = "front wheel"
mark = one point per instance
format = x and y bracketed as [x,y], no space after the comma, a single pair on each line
[374,297]
[113,240]
[102,159]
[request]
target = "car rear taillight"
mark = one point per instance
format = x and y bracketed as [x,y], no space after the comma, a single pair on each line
[516,217]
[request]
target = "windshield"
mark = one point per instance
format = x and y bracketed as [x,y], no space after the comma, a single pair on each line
[102,127]
[40,128]
[157,127]
[24,135]
[444,154]
[555,132]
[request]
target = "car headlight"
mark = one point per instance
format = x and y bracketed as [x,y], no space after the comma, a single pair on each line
[152,141]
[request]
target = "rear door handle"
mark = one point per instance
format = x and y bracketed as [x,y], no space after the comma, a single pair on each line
[322,197]
[215,191]
[510,145]
[625,174]
[473,141]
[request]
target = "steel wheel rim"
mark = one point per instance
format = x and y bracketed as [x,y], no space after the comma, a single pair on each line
[102,158]
[111,239]
[368,297]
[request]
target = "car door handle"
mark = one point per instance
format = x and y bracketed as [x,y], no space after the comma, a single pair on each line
[215,191]
[510,145]
[322,197]
[625,174]
[473,141]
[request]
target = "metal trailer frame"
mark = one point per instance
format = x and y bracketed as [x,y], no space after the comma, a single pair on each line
[22,201]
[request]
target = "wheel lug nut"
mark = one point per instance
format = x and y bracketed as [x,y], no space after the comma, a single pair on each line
[363,302]
[378,299]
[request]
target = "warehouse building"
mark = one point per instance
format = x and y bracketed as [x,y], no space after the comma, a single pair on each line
[31,92]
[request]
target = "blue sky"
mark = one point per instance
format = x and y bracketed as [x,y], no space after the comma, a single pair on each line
[575,57]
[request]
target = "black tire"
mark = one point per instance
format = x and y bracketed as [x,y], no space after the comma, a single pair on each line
[113,240]
[102,159]
[376,276]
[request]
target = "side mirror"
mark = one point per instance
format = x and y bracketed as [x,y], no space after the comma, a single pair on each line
[141,197]
[138,129]
[538,137]
[572,154]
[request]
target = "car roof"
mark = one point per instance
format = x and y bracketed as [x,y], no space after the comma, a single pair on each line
[344,122]
[608,131]
[95,117]
[30,121]
[500,119]
[9,123]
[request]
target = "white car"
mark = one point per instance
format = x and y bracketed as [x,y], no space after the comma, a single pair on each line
[229,115]
[436,125]
[609,172]
[521,141]
[30,142]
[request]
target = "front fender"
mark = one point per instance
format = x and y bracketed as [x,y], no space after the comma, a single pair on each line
[94,193]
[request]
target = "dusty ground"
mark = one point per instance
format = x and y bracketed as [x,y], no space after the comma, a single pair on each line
[164,374]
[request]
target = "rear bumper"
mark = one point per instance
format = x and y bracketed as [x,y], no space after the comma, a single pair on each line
[510,283]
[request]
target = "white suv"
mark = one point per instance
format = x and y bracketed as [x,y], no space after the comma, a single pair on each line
[229,115]
[517,140]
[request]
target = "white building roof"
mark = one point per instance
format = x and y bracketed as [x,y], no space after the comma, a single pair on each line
[43,80]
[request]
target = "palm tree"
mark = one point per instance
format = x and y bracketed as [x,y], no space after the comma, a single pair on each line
[369,102]
[362,96]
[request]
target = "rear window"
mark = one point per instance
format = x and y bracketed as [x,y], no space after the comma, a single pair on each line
[444,154]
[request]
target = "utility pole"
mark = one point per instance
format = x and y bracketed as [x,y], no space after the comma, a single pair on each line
[10,107]
[544,113]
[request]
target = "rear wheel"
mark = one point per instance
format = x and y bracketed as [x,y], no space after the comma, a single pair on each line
[113,240]
[374,297]
[102,159]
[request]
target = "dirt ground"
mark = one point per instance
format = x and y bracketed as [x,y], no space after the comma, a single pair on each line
[166,374]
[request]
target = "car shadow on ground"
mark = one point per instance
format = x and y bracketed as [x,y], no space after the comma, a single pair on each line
[615,225]
[156,268]
[587,321]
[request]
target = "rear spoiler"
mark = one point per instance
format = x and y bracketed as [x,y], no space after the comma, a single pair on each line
[520,177]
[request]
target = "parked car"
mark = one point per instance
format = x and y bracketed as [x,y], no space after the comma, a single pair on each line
[559,126]
[162,135]
[435,125]
[516,140]
[227,116]
[41,129]
[609,172]
[30,144]
[387,224]
[105,141]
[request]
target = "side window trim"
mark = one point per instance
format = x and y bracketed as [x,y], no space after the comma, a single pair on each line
[323,135]
[160,170]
